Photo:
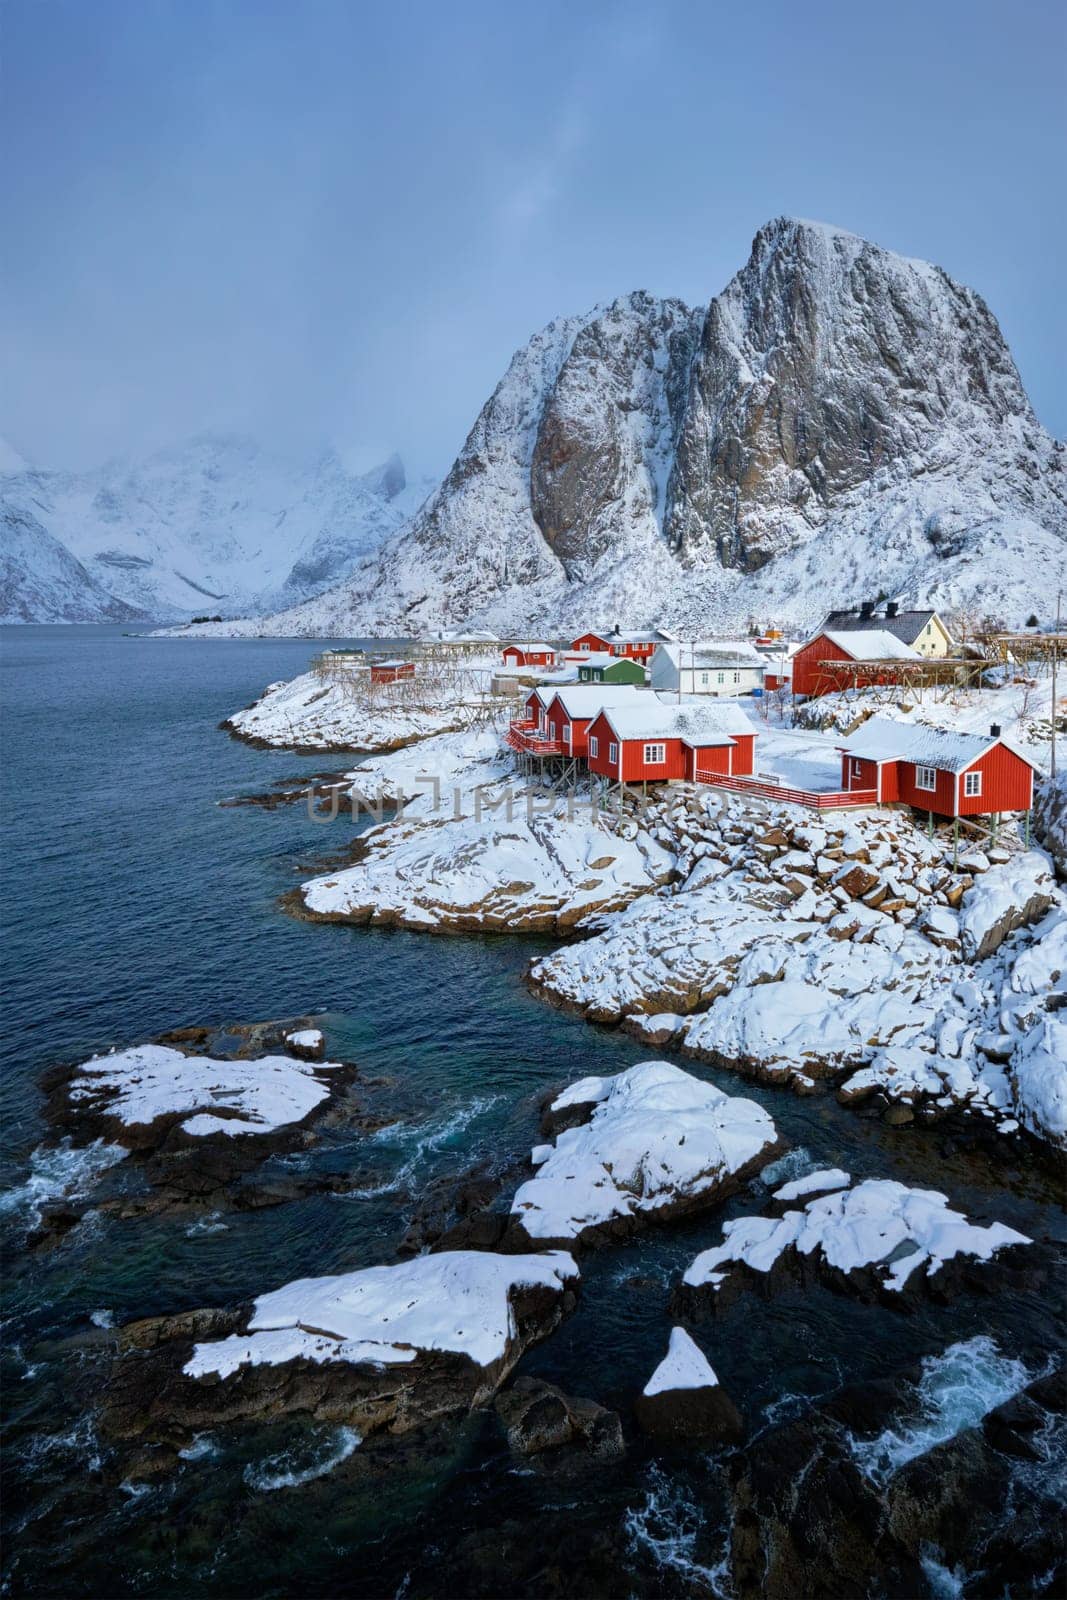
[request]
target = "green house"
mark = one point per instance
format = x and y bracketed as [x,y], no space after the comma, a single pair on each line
[605,668]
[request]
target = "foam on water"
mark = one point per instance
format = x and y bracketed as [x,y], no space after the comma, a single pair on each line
[666,1528]
[957,1389]
[212,1223]
[291,1468]
[794,1164]
[945,1583]
[61,1171]
[201,1448]
[425,1140]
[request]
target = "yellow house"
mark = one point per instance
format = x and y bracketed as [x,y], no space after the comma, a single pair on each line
[923,630]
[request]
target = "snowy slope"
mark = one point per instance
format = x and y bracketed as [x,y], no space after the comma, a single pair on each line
[40,581]
[219,525]
[839,421]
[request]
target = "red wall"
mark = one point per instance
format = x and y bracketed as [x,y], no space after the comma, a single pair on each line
[866,778]
[744,760]
[600,729]
[633,761]
[1007,784]
[942,801]
[709,758]
[579,726]
[636,651]
[807,679]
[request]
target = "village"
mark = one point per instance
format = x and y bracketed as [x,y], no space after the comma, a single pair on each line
[632,710]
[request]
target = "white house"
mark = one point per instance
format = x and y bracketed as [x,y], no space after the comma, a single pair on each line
[708,666]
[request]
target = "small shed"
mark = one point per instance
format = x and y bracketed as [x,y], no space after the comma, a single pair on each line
[538,654]
[941,771]
[601,666]
[391,671]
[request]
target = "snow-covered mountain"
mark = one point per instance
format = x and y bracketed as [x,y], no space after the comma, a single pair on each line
[840,422]
[40,581]
[219,525]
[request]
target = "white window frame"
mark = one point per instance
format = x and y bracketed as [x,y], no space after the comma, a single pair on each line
[969,779]
[651,758]
[857,767]
[594,747]
[613,752]
[926,779]
[584,648]
[737,677]
[703,680]
[722,677]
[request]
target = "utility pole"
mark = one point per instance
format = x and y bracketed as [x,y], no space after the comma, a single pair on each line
[1055,654]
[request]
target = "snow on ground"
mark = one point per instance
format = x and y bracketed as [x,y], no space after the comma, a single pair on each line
[229,1097]
[346,712]
[534,872]
[879,1223]
[456,1301]
[657,1141]
[685,1366]
[793,950]
[1019,706]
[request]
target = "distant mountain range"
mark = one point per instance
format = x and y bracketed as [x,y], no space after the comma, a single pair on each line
[839,423]
[220,526]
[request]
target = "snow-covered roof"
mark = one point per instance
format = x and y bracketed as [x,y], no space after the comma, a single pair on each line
[392,663]
[905,625]
[945,749]
[713,653]
[648,718]
[537,644]
[872,644]
[587,699]
[594,658]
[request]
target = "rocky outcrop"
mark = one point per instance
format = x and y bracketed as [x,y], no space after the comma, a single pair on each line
[557,1432]
[1050,818]
[683,1401]
[837,408]
[383,1348]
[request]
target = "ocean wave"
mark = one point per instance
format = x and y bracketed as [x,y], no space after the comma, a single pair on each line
[423,1140]
[60,1171]
[666,1528]
[957,1389]
[301,1464]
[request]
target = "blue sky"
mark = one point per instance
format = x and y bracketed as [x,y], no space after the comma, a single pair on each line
[312,219]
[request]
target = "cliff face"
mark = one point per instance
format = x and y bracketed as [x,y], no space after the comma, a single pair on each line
[839,421]
[825,360]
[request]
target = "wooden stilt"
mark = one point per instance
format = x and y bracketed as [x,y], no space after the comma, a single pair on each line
[955,842]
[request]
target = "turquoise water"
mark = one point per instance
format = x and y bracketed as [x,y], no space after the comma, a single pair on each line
[133,903]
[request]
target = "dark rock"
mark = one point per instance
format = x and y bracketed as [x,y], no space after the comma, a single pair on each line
[690,1416]
[542,1422]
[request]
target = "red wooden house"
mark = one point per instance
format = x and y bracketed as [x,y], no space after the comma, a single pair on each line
[634,646]
[391,671]
[573,708]
[947,773]
[529,655]
[873,645]
[650,742]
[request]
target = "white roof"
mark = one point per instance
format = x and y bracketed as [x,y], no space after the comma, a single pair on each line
[713,653]
[392,663]
[594,658]
[945,749]
[872,645]
[534,645]
[693,724]
[587,699]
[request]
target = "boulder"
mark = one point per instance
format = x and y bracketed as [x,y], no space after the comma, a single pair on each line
[555,1430]
[683,1401]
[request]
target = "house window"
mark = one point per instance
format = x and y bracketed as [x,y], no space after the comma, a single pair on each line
[972,784]
[584,647]
[655,755]
[594,748]
[721,677]
[703,680]
[737,677]
[613,751]
[857,769]
[926,778]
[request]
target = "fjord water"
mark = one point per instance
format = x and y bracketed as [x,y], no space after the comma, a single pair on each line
[133,903]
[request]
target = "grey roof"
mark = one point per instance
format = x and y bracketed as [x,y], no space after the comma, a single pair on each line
[946,749]
[905,626]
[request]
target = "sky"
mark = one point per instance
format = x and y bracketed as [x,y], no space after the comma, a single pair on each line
[328,221]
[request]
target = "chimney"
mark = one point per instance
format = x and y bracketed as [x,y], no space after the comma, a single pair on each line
[892,608]
[994,730]
[866,610]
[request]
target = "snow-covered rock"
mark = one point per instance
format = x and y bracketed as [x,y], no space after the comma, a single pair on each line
[40,581]
[536,873]
[822,1182]
[1050,818]
[658,1143]
[1003,899]
[684,1401]
[381,1347]
[839,420]
[879,1234]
